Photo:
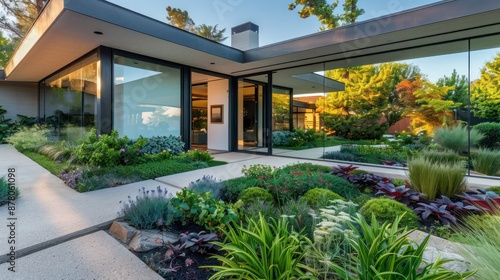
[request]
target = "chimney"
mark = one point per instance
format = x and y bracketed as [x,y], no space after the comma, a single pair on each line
[245,36]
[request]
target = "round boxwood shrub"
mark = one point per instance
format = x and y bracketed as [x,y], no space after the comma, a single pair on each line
[386,210]
[254,194]
[495,189]
[319,198]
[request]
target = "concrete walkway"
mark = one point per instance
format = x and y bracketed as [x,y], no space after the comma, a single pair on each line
[59,232]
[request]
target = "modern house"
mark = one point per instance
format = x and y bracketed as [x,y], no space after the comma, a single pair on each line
[94,64]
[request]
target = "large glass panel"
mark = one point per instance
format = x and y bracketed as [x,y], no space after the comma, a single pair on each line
[281,109]
[251,118]
[485,104]
[146,98]
[305,138]
[69,100]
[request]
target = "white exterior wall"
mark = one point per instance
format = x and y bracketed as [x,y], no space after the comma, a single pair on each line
[19,98]
[218,94]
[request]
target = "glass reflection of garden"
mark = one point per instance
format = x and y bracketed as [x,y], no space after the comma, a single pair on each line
[393,113]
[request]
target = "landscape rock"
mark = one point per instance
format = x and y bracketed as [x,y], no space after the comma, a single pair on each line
[447,250]
[144,241]
[122,231]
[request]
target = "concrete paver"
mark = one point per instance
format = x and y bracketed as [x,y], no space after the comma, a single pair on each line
[94,256]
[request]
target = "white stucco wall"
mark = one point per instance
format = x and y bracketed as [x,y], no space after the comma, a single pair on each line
[218,94]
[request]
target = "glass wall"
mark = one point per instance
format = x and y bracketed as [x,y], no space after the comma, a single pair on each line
[281,109]
[146,98]
[393,108]
[69,98]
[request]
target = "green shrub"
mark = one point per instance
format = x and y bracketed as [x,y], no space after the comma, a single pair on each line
[7,193]
[436,156]
[337,155]
[434,179]
[29,138]
[171,144]
[481,234]
[385,252]
[253,210]
[356,127]
[495,189]
[304,167]
[150,209]
[456,138]
[109,149]
[291,186]
[280,138]
[300,217]
[100,178]
[319,198]
[196,155]
[261,250]
[257,170]
[386,210]
[254,194]
[491,131]
[233,187]
[207,183]
[486,162]
[204,210]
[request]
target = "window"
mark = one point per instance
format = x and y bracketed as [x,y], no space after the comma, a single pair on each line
[146,98]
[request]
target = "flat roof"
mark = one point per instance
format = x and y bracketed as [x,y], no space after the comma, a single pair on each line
[66,30]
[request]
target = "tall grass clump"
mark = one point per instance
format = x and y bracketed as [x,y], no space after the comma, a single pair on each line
[434,179]
[481,236]
[447,156]
[7,194]
[29,138]
[486,162]
[456,138]
[57,151]
[150,209]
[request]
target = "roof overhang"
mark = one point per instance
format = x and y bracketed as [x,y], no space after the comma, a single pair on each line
[64,31]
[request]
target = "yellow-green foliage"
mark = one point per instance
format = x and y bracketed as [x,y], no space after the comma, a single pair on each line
[433,179]
[495,189]
[319,198]
[481,234]
[386,210]
[255,194]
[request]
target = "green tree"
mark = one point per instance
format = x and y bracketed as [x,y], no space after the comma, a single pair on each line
[393,74]
[210,32]
[460,90]
[17,16]
[355,112]
[181,19]
[6,50]
[324,11]
[485,92]
[430,108]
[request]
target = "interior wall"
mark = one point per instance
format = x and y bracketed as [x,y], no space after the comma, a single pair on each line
[218,94]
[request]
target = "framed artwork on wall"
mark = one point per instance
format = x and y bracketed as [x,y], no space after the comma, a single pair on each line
[217,114]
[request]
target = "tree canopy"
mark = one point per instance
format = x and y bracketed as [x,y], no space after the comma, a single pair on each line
[485,92]
[17,16]
[181,19]
[325,12]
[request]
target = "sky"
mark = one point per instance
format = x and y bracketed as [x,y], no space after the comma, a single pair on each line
[276,23]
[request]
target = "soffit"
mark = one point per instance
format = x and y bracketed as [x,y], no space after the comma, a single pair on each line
[71,34]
